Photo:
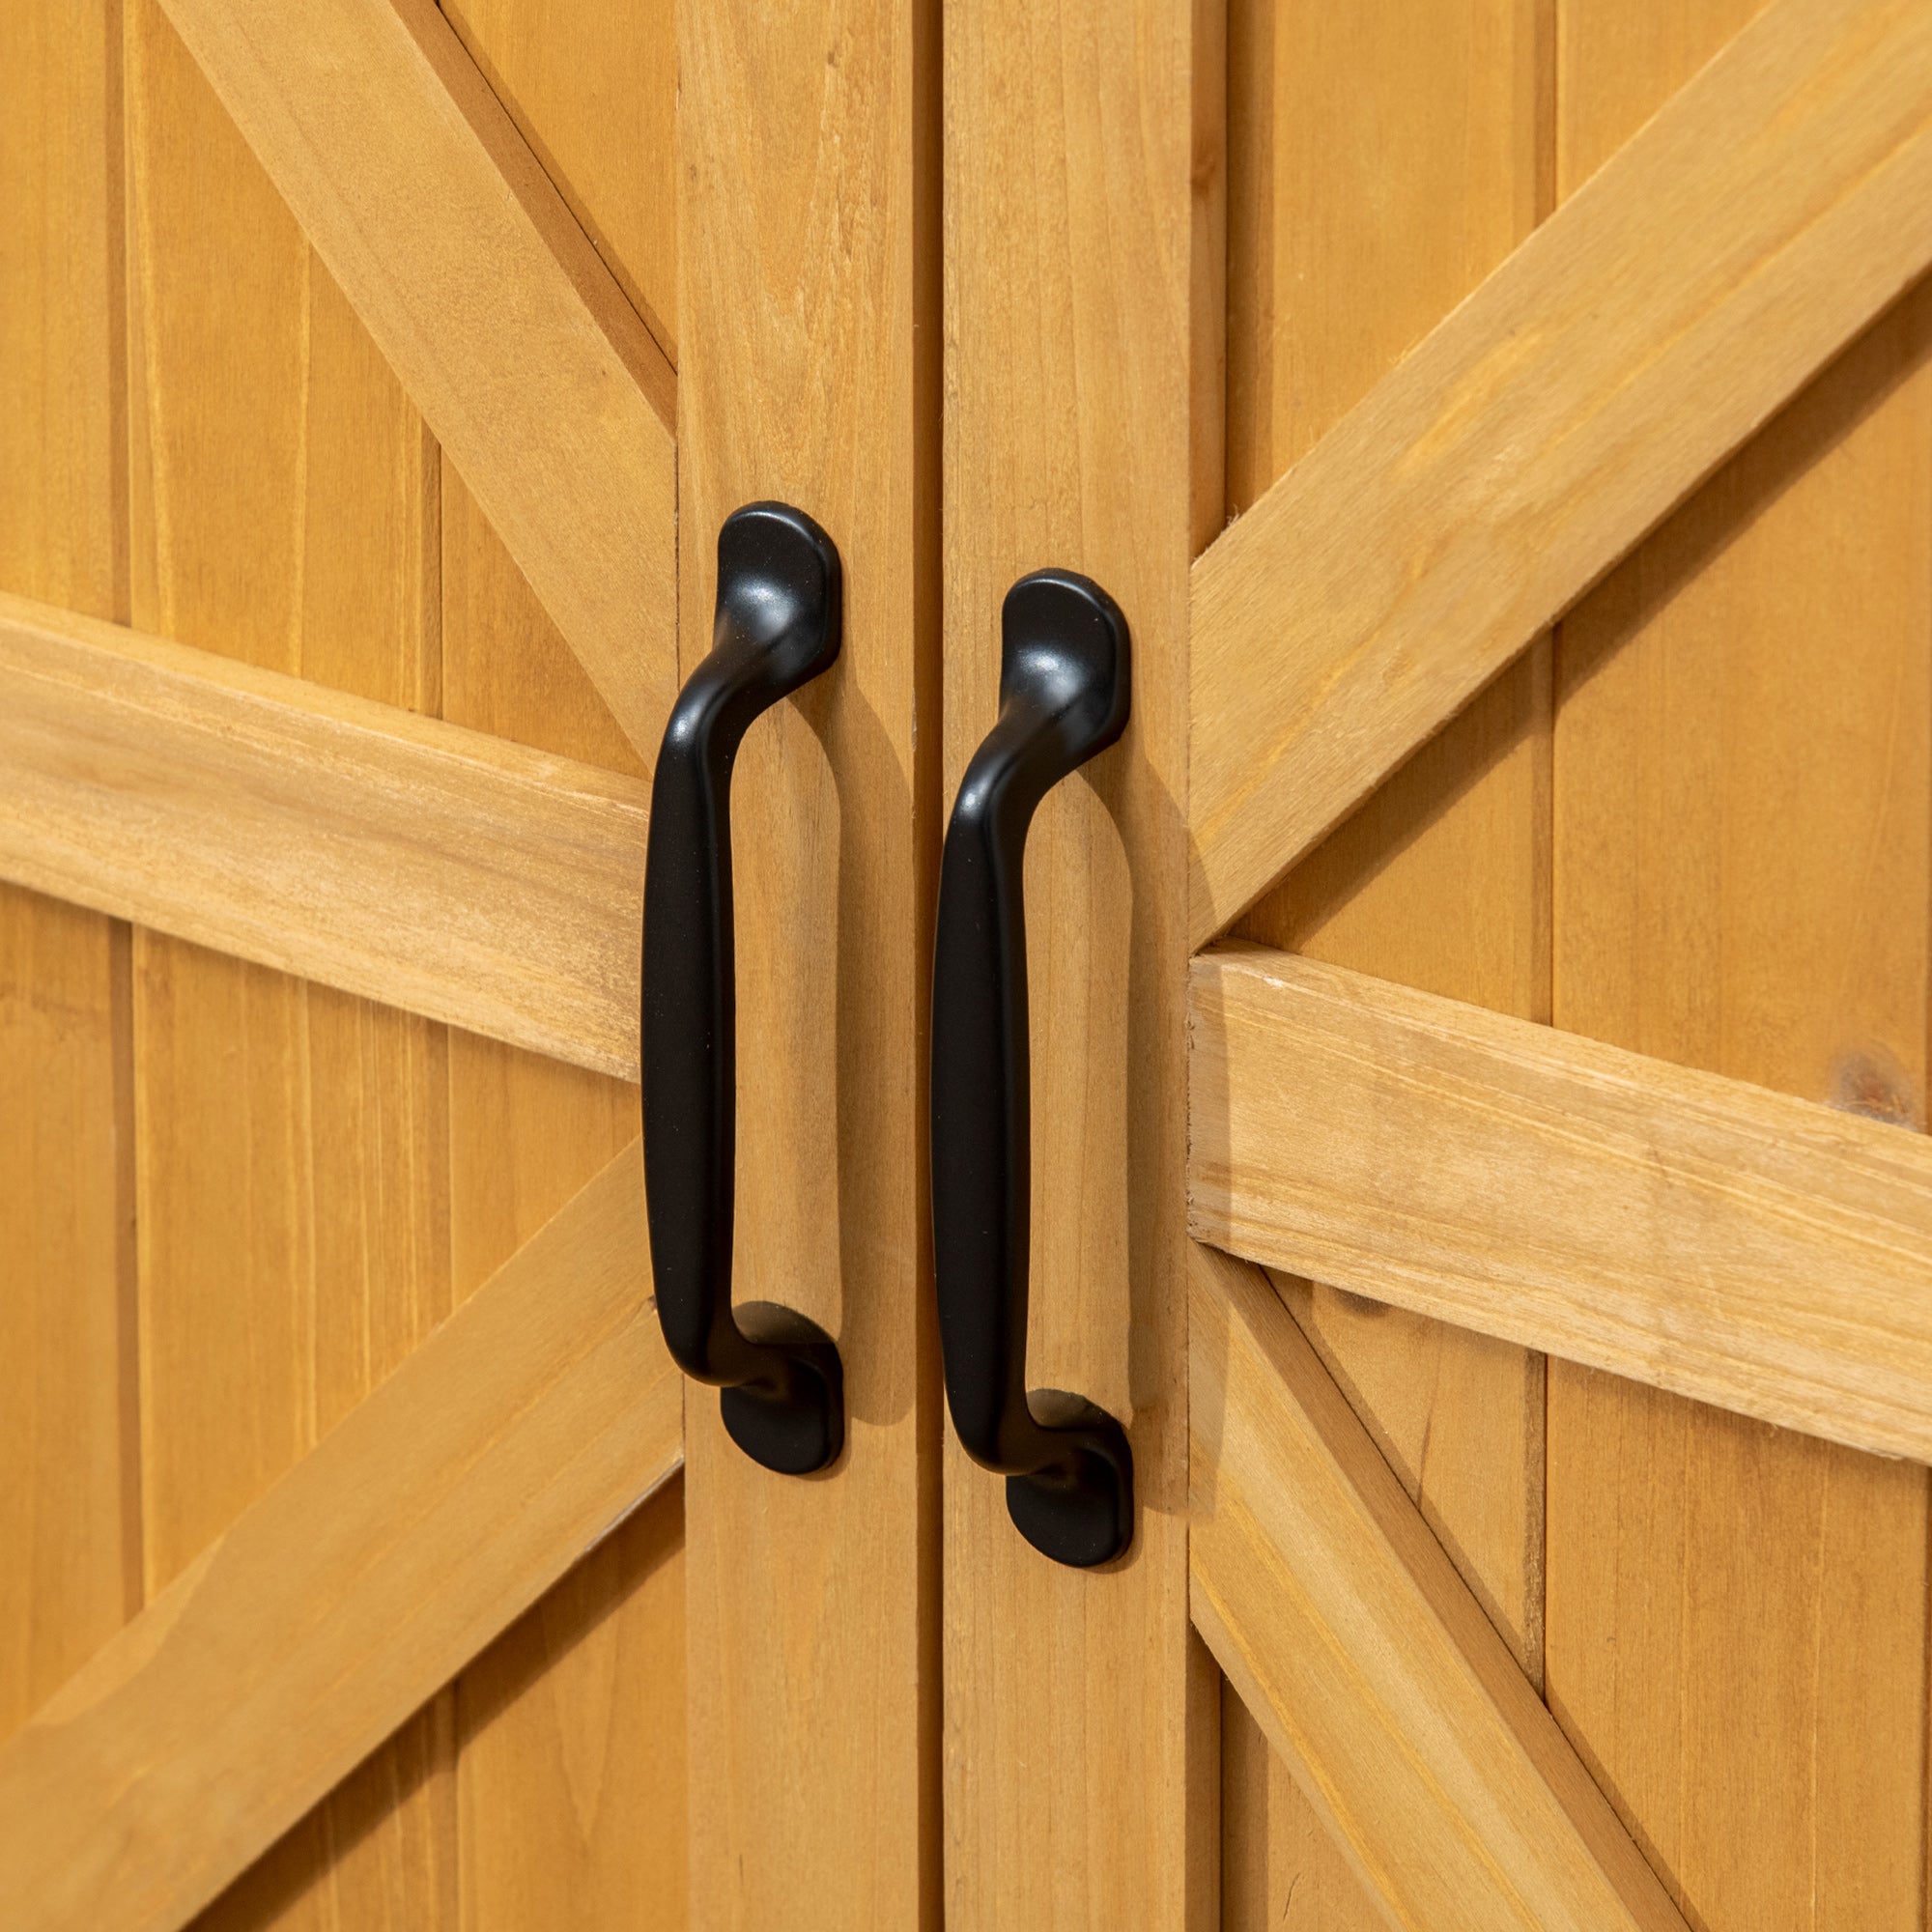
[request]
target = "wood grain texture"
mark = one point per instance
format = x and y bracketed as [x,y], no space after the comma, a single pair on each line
[1076,146]
[1764,217]
[808,310]
[1744,764]
[441,870]
[525,1429]
[571,1779]
[63,388]
[290,1142]
[571,1732]
[594,90]
[507,331]
[1280,1864]
[1762,1253]
[69,1491]
[1381,162]
[1372,1668]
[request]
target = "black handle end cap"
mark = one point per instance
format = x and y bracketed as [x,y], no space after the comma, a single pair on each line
[797,1429]
[1081,1511]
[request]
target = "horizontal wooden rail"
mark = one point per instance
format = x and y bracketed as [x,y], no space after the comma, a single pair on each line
[1362,1654]
[1759,1252]
[434,869]
[499,317]
[524,1429]
[1656,319]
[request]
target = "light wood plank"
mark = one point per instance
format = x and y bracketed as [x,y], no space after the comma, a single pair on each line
[439,871]
[594,90]
[571,1778]
[1766,214]
[1384,159]
[507,331]
[1367,1662]
[808,315]
[290,1142]
[570,1729]
[525,1429]
[70,1478]
[1743,824]
[1756,1251]
[1083,165]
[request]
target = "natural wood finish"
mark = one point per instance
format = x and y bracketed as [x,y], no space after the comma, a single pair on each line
[441,870]
[570,1729]
[1759,1252]
[1277,1857]
[1082,156]
[571,1776]
[508,333]
[526,1428]
[63,388]
[290,1142]
[1761,219]
[70,1480]
[594,90]
[1737,1633]
[809,319]
[70,1491]
[1382,162]
[1367,1662]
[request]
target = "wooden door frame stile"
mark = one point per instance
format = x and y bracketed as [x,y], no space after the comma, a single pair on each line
[122,738]
[808,374]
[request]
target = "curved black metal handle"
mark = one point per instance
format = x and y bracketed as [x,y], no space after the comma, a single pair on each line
[776,628]
[1063,692]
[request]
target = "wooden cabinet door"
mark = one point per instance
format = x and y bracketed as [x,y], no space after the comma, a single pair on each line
[1638,1444]
[379,377]
[1513,1485]
[1478,1008]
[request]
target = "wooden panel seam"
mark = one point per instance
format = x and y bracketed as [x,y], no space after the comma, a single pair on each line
[506,327]
[1364,1657]
[1776,205]
[523,1431]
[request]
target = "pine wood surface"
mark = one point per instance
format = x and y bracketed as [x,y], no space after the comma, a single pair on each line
[1072,267]
[1382,162]
[1744,759]
[571,1733]
[70,1522]
[1692,1232]
[1369,1663]
[566,1794]
[290,1142]
[69,1491]
[529,363]
[594,90]
[526,1428]
[1760,220]
[444,871]
[808,374]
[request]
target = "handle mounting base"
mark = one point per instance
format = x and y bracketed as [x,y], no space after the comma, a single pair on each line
[800,1429]
[1081,1511]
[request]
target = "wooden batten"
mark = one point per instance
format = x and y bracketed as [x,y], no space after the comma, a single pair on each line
[511,336]
[1754,1251]
[1662,314]
[521,1432]
[441,870]
[1365,1658]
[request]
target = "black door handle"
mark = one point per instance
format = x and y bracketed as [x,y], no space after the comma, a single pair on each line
[1063,692]
[776,628]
